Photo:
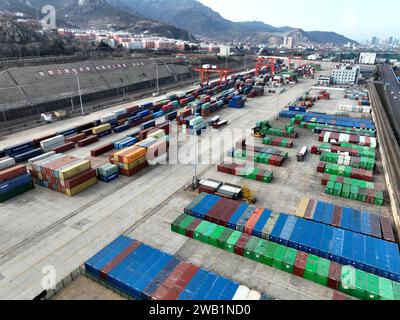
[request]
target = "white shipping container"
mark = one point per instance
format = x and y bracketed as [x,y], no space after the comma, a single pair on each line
[254,295]
[373,143]
[49,144]
[6,163]
[41,157]
[362,140]
[241,293]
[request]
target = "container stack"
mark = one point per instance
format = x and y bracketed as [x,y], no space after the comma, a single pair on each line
[107,172]
[65,174]
[131,160]
[345,171]
[14,179]
[367,223]
[237,102]
[150,274]
[352,150]
[246,172]
[346,160]
[102,130]
[354,189]
[352,131]
[315,251]
[329,137]
[278,142]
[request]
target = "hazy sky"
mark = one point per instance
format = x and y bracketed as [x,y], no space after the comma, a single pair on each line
[357,19]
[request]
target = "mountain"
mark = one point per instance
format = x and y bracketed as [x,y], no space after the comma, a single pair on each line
[201,20]
[98,14]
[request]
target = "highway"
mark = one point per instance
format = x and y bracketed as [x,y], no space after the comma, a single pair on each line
[392,88]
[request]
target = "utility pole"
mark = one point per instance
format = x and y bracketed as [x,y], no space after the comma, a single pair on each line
[80,94]
[195,180]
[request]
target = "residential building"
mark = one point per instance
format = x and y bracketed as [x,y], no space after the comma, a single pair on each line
[367,58]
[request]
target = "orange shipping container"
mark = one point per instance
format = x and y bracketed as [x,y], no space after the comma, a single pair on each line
[135,155]
[248,228]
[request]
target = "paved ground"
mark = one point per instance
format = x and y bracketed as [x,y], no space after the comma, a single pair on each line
[83,288]
[46,228]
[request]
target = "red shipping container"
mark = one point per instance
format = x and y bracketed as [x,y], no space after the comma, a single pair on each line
[13,172]
[102,149]
[334,277]
[300,264]
[189,232]
[310,209]
[325,179]
[65,147]
[87,132]
[80,178]
[337,216]
[248,228]
[87,141]
[76,138]
[118,259]
[387,229]
[135,170]
[176,282]
[321,167]
[85,126]
[241,244]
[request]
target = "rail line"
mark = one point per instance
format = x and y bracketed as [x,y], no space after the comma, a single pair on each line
[390,151]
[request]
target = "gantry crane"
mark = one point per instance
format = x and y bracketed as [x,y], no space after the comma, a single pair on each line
[265,62]
[205,74]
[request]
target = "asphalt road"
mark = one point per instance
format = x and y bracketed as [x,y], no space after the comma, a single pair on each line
[392,87]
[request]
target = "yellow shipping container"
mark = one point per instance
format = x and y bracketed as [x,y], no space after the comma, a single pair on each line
[135,155]
[157,134]
[132,164]
[74,191]
[301,210]
[101,128]
[75,169]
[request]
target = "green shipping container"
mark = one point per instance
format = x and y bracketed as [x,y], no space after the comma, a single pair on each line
[310,271]
[396,290]
[385,289]
[199,230]
[338,189]
[289,260]
[347,279]
[250,247]
[177,222]
[215,235]
[207,232]
[360,288]
[346,191]
[268,257]
[230,244]
[186,222]
[323,271]
[260,250]
[279,257]
[372,287]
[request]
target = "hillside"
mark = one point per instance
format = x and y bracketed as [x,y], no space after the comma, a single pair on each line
[200,20]
[97,14]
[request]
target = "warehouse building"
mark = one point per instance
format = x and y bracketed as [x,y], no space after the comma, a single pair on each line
[346,74]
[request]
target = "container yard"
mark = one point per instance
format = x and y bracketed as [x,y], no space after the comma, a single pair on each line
[261,226]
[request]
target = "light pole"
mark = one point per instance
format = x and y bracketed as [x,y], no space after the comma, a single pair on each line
[194,182]
[80,94]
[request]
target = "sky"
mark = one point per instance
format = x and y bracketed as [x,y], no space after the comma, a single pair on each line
[356,19]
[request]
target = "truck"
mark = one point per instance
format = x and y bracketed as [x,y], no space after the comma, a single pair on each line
[302,154]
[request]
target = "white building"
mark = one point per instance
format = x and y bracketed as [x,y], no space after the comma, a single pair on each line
[367,58]
[313,57]
[324,81]
[346,74]
[288,42]
[224,51]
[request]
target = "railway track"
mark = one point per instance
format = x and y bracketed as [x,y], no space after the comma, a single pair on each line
[390,150]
